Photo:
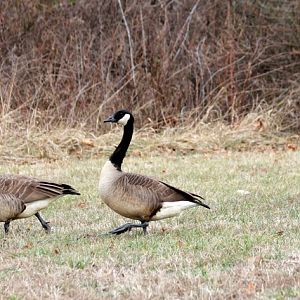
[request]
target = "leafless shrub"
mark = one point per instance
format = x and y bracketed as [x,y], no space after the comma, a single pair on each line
[72,62]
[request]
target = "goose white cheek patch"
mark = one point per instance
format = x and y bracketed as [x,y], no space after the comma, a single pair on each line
[124,120]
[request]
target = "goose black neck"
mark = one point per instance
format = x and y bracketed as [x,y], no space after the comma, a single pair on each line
[118,155]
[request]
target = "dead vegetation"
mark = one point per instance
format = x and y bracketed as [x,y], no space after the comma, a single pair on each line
[67,63]
[29,146]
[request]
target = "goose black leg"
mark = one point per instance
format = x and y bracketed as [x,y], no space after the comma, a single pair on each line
[45,224]
[145,225]
[6,227]
[128,227]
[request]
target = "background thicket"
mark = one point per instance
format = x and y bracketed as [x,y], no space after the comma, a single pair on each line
[74,61]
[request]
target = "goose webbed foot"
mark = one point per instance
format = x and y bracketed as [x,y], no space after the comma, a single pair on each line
[45,224]
[128,226]
[6,227]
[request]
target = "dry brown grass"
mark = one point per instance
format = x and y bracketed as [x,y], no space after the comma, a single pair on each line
[254,133]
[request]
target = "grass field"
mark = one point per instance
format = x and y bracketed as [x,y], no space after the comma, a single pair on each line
[247,245]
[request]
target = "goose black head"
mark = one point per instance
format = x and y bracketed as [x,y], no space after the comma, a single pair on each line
[121,117]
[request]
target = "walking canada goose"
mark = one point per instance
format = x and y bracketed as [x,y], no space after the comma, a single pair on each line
[22,197]
[135,196]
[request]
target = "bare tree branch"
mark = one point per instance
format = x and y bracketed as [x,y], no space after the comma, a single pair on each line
[130,42]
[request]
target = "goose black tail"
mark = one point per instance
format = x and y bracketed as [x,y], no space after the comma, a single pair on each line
[199,202]
[68,190]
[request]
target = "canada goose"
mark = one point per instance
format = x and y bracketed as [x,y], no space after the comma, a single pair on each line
[22,197]
[135,196]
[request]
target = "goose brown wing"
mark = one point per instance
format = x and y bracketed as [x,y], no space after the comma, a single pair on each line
[30,189]
[161,191]
[143,195]
[10,207]
[188,196]
[153,188]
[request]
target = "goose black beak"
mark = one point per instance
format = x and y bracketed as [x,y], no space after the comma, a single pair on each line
[110,119]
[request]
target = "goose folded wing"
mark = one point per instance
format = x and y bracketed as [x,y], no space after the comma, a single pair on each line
[160,191]
[30,189]
[44,189]
[188,196]
[151,187]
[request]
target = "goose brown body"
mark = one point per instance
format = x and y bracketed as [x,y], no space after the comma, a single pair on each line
[22,196]
[137,196]
[128,195]
[140,197]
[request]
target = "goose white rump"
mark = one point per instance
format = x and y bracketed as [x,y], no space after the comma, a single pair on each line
[172,209]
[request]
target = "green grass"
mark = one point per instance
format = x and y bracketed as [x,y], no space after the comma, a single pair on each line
[247,245]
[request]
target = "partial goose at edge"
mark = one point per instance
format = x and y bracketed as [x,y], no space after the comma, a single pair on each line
[23,197]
